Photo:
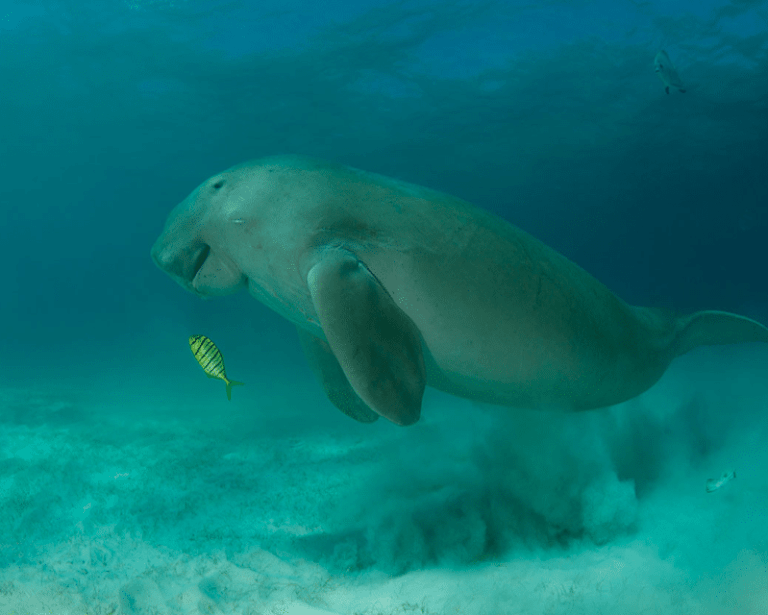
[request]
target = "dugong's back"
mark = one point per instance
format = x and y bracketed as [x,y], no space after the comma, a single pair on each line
[503,317]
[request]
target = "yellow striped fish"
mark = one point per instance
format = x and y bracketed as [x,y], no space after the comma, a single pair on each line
[210,359]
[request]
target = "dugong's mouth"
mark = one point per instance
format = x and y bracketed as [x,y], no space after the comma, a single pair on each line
[214,274]
[197,266]
[200,260]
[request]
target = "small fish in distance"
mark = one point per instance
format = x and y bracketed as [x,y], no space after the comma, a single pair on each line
[210,359]
[713,484]
[667,72]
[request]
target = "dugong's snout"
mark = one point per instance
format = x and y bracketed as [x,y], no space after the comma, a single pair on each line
[200,270]
[181,263]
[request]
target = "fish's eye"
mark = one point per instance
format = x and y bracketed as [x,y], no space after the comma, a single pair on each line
[218,184]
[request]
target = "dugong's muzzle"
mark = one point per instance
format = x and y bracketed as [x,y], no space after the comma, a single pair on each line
[180,262]
[197,268]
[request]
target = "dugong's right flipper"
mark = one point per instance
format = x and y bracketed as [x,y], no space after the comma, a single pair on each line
[376,343]
[326,368]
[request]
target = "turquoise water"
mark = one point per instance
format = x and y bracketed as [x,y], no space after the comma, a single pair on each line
[128,483]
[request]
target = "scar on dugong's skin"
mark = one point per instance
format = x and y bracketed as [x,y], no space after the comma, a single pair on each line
[393,286]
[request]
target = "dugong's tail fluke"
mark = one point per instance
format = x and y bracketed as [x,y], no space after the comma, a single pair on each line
[711,328]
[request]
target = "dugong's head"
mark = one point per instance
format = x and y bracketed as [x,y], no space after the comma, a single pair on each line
[193,247]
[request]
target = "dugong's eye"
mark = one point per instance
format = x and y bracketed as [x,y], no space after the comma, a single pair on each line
[218,184]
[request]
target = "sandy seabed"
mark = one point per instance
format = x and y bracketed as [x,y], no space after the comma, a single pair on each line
[129,509]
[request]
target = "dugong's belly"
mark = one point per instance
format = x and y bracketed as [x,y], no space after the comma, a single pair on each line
[518,325]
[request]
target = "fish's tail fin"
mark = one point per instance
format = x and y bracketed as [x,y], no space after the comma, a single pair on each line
[711,327]
[230,384]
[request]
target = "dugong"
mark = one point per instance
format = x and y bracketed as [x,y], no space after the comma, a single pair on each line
[393,286]
[667,72]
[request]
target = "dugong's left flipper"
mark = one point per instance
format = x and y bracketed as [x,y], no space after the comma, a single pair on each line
[326,368]
[377,345]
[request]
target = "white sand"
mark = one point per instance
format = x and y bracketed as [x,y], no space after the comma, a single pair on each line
[474,510]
